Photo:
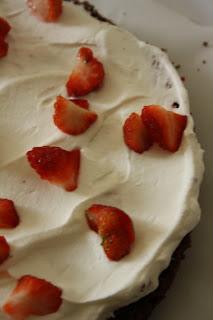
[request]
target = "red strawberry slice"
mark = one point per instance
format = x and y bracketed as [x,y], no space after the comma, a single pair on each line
[4,27]
[46,10]
[136,135]
[56,165]
[115,227]
[165,127]
[3,47]
[32,296]
[87,75]
[83,103]
[116,246]
[9,218]
[4,249]
[71,118]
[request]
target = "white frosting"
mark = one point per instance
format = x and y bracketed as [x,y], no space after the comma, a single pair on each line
[158,190]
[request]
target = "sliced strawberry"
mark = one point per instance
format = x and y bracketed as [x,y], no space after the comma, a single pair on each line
[4,249]
[9,218]
[165,127]
[94,216]
[56,165]
[136,135]
[116,246]
[4,27]
[3,47]
[46,10]
[72,119]
[115,227]
[4,30]
[32,296]
[83,103]
[87,75]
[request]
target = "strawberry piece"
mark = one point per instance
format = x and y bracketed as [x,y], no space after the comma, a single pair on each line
[87,75]
[4,249]
[94,216]
[136,135]
[56,165]
[116,246]
[46,10]
[165,127]
[32,296]
[115,227]
[9,218]
[71,118]
[3,47]
[4,30]
[4,27]
[83,103]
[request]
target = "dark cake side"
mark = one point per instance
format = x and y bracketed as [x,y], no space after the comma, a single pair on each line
[142,309]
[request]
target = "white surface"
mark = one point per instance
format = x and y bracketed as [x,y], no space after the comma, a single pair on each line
[181,27]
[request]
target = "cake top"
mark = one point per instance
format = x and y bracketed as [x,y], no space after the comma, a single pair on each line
[157,189]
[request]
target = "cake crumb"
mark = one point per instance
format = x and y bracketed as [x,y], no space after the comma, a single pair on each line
[183,78]
[178,66]
[205,43]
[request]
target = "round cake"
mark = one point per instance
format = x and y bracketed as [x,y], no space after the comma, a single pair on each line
[157,188]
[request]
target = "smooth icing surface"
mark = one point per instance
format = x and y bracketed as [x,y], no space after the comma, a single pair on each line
[157,189]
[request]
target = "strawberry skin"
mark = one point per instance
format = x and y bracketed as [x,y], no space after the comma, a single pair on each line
[46,10]
[115,227]
[116,246]
[87,75]
[4,27]
[4,249]
[71,118]
[83,103]
[32,296]
[135,134]
[3,47]
[4,30]
[56,165]
[9,218]
[165,127]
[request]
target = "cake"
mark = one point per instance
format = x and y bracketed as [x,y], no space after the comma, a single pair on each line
[158,189]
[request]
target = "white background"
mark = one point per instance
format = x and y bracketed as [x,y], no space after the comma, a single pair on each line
[181,26]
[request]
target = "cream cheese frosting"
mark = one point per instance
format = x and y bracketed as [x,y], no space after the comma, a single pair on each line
[157,189]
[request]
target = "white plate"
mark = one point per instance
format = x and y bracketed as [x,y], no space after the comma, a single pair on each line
[181,27]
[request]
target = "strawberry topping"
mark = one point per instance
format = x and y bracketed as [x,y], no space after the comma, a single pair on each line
[87,75]
[4,27]
[136,135]
[3,47]
[4,30]
[9,218]
[4,249]
[83,103]
[115,227]
[56,165]
[32,296]
[116,246]
[71,118]
[46,10]
[165,127]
